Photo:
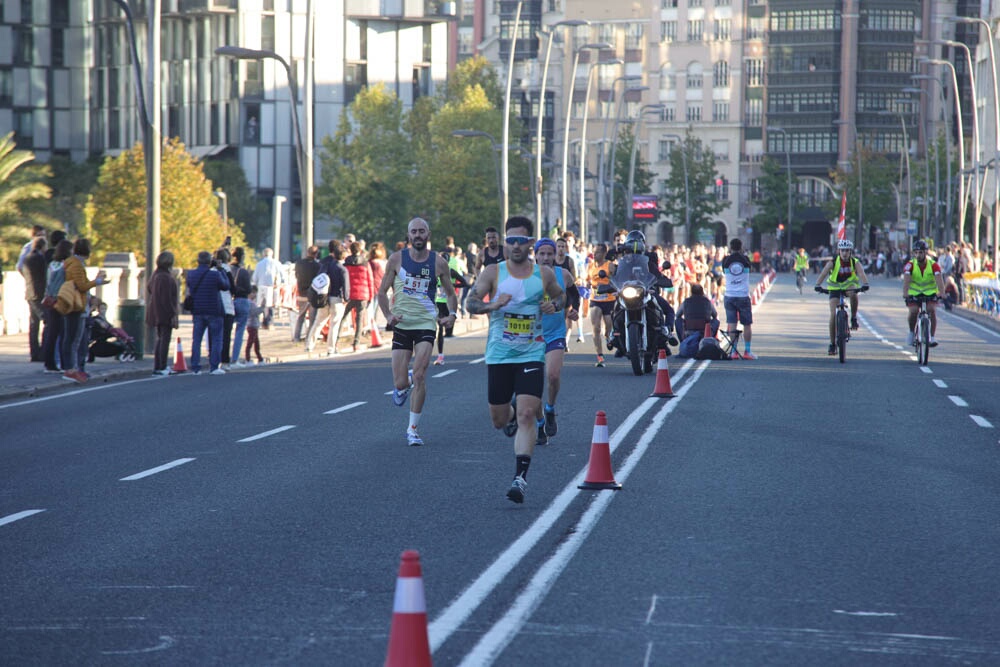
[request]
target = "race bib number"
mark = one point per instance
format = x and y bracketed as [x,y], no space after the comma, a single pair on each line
[518,327]
[416,285]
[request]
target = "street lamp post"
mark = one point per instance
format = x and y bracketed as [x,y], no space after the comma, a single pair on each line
[602,165]
[276,224]
[961,151]
[904,158]
[937,162]
[687,189]
[996,128]
[493,147]
[541,115]
[635,144]
[583,143]
[927,166]
[611,159]
[224,200]
[569,110]
[506,113]
[303,159]
[788,173]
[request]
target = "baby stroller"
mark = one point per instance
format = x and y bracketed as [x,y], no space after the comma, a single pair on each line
[109,341]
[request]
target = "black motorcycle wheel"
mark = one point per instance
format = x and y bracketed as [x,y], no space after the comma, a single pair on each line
[634,354]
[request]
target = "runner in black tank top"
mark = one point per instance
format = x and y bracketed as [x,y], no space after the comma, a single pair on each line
[487,259]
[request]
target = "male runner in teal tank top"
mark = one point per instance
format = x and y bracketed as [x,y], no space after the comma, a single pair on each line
[515,346]
[412,273]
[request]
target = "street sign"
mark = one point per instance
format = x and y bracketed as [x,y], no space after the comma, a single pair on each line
[911,227]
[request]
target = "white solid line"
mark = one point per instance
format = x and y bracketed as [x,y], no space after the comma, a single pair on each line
[506,628]
[153,471]
[452,617]
[11,518]
[652,609]
[343,408]
[64,394]
[478,361]
[958,318]
[266,433]
[941,383]
[959,401]
[444,373]
[925,369]
[982,421]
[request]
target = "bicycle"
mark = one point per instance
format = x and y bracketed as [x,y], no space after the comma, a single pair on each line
[922,331]
[843,321]
[800,279]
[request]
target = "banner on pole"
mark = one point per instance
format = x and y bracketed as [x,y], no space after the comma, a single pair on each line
[841,225]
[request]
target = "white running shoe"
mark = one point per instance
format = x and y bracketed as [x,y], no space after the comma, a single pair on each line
[933,342]
[399,397]
[218,371]
[517,488]
[413,438]
[439,361]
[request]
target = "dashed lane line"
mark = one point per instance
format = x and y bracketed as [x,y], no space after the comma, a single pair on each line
[343,408]
[981,421]
[444,373]
[941,383]
[959,401]
[157,469]
[267,433]
[17,516]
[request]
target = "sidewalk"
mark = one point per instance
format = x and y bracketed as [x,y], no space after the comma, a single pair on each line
[20,378]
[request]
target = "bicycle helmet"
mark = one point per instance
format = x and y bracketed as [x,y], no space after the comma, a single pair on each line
[844,244]
[635,242]
[920,245]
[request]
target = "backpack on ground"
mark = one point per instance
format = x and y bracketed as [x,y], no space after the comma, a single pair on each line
[689,346]
[319,290]
[709,349]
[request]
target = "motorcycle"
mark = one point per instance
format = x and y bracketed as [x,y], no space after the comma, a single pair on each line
[637,319]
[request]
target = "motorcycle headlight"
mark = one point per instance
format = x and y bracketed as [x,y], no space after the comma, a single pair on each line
[631,292]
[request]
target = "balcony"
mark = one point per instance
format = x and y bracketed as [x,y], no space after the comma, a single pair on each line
[401,9]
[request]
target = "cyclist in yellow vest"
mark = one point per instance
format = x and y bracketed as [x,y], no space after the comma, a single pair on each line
[801,261]
[843,274]
[921,277]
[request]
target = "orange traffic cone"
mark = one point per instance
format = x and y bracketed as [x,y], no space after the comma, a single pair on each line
[662,387]
[599,473]
[376,341]
[408,642]
[179,365]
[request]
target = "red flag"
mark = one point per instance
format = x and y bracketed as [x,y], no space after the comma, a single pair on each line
[841,227]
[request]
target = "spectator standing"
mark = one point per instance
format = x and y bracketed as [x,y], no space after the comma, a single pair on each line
[305,270]
[162,309]
[266,278]
[253,327]
[76,272]
[340,285]
[37,231]
[736,266]
[33,268]
[222,258]
[377,259]
[204,284]
[54,321]
[241,302]
[362,289]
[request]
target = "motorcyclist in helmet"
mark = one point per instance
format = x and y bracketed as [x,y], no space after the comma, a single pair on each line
[632,247]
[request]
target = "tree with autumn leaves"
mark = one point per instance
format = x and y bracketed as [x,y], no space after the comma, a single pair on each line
[189,218]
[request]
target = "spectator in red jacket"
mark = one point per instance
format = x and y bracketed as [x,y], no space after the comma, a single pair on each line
[361,292]
[377,260]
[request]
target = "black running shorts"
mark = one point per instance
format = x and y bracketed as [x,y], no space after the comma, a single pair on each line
[505,380]
[406,339]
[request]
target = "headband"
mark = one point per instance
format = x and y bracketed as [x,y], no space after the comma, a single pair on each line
[542,242]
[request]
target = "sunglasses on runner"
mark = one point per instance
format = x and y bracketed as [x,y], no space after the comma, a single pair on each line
[518,240]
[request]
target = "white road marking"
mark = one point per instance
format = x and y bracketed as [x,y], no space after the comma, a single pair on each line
[344,408]
[444,373]
[925,369]
[982,421]
[477,361]
[971,323]
[11,518]
[509,625]
[153,471]
[865,613]
[652,609]
[959,401]
[165,643]
[941,383]
[266,433]
[64,394]
[452,617]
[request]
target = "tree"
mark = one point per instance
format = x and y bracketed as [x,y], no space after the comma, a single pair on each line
[772,205]
[475,71]
[642,177]
[189,218]
[877,178]
[367,167]
[690,189]
[242,207]
[21,185]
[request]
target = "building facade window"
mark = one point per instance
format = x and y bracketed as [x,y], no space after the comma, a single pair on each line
[755,113]
[720,148]
[720,112]
[695,78]
[667,79]
[693,113]
[720,74]
[668,31]
[669,4]
[755,72]
[723,30]
[633,36]
[24,45]
[696,30]
[669,114]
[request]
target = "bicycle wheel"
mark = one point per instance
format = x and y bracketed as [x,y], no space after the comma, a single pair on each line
[924,340]
[842,335]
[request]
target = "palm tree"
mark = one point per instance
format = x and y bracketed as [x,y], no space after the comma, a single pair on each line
[18,189]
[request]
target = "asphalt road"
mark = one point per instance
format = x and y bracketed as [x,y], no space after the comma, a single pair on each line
[787,511]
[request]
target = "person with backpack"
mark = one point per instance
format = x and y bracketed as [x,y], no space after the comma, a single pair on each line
[305,270]
[337,291]
[696,311]
[54,322]
[362,289]
[241,302]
